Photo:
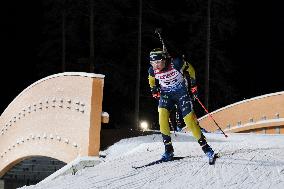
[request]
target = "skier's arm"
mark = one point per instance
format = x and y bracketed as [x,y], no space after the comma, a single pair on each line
[186,69]
[155,90]
[189,71]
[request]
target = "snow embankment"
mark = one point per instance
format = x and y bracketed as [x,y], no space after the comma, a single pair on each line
[247,161]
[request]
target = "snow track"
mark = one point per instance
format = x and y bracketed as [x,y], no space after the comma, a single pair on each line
[247,161]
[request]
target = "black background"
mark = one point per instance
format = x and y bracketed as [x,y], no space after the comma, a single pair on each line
[254,49]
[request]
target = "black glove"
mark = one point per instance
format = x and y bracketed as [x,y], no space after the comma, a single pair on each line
[156,92]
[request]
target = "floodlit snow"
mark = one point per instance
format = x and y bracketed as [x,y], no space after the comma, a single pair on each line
[247,161]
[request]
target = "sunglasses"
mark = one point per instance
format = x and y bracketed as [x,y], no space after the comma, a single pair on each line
[155,62]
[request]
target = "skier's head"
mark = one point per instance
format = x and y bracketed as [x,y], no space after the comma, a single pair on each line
[158,59]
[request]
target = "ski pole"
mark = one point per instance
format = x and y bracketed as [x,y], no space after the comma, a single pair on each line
[158,31]
[210,116]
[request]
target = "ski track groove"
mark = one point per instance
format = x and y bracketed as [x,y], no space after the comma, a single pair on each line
[152,176]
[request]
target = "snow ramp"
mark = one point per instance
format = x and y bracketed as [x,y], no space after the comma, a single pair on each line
[247,161]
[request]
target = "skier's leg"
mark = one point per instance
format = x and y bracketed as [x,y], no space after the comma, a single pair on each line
[202,130]
[166,104]
[191,122]
[205,146]
[165,130]
[164,121]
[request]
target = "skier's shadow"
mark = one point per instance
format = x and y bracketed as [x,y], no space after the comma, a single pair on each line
[178,158]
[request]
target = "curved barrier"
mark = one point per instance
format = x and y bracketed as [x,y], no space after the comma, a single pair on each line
[58,116]
[263,114]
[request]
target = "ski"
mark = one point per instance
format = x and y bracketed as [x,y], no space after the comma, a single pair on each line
[211,161]
[157,162]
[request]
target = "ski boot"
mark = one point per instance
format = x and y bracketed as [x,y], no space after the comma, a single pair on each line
[167,156]
[207,149]
[169,150]
[209,153]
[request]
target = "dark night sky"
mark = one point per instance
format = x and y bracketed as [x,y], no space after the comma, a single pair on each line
[259,47]
[20,39]
[256,49]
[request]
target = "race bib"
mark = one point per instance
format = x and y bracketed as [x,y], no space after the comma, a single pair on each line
[169,78]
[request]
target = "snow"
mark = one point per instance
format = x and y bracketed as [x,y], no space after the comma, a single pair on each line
[247,161]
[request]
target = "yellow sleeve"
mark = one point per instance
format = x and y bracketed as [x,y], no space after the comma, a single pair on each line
[152,81]
[191,72]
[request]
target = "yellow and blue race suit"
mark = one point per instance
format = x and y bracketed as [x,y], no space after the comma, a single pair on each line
[174,90]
